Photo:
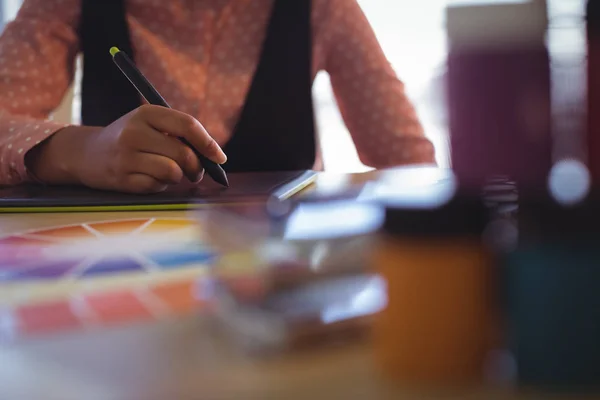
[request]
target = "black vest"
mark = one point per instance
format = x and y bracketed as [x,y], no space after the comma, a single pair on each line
[275,131]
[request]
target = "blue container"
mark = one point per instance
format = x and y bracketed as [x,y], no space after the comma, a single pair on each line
[553,295]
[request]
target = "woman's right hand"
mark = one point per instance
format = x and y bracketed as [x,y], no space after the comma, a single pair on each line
[138,153]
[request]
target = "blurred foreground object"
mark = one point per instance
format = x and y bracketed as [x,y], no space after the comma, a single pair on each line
[593,139]
[499,93]
[437,327]
[296,280]
[552,279]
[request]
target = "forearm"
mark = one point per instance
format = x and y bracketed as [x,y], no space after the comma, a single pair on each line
[55,161]
[401,151]
[42,44]
[376,109]
[18,134]
[383,122]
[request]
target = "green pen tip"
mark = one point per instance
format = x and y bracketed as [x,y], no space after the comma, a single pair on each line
[114,50]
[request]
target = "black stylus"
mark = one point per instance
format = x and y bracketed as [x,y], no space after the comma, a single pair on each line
[139,81]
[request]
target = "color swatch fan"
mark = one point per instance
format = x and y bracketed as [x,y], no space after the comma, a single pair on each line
[90,274]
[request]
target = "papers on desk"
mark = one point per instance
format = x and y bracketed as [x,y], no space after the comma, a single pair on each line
[332,220]
[416,187]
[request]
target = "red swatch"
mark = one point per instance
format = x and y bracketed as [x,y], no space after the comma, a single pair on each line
[117,307]
[47,317]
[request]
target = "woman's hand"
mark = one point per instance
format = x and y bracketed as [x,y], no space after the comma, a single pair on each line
[138,153]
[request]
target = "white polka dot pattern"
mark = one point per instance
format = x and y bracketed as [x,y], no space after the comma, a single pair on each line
[202,56]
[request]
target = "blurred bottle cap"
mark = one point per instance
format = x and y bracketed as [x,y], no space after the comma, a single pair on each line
[482,24]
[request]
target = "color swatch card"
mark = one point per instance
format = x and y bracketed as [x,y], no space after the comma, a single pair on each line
[99,273]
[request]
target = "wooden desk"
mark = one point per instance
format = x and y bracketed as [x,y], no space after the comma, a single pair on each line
[184,358]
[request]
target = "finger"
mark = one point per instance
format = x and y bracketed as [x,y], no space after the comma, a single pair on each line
[161,168]
[185,126]
[155,142]
[142,184]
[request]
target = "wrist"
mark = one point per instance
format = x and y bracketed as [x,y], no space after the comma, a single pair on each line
[58,159]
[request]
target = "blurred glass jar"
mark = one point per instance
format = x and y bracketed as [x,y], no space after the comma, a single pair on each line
[296,276]
[437,328]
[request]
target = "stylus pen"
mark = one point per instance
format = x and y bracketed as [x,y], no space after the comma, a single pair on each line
[139,81]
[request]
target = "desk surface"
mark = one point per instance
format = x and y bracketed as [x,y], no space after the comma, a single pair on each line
[183,357]
[14,223]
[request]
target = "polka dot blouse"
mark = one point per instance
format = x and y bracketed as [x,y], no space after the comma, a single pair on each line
[215,45]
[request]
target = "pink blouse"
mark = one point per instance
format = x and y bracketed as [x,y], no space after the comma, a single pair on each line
[201,56]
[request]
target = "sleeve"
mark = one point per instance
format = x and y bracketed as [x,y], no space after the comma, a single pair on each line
[381,119]
[37,55]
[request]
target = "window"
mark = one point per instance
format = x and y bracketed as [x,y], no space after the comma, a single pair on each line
[8,10]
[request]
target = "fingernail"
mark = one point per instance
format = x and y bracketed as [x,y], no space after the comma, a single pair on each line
[222,157]
[215,153]
[198,177]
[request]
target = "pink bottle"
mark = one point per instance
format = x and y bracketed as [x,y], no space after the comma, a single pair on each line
[499,94]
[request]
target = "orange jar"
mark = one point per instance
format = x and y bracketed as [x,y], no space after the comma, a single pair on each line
[436,328]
